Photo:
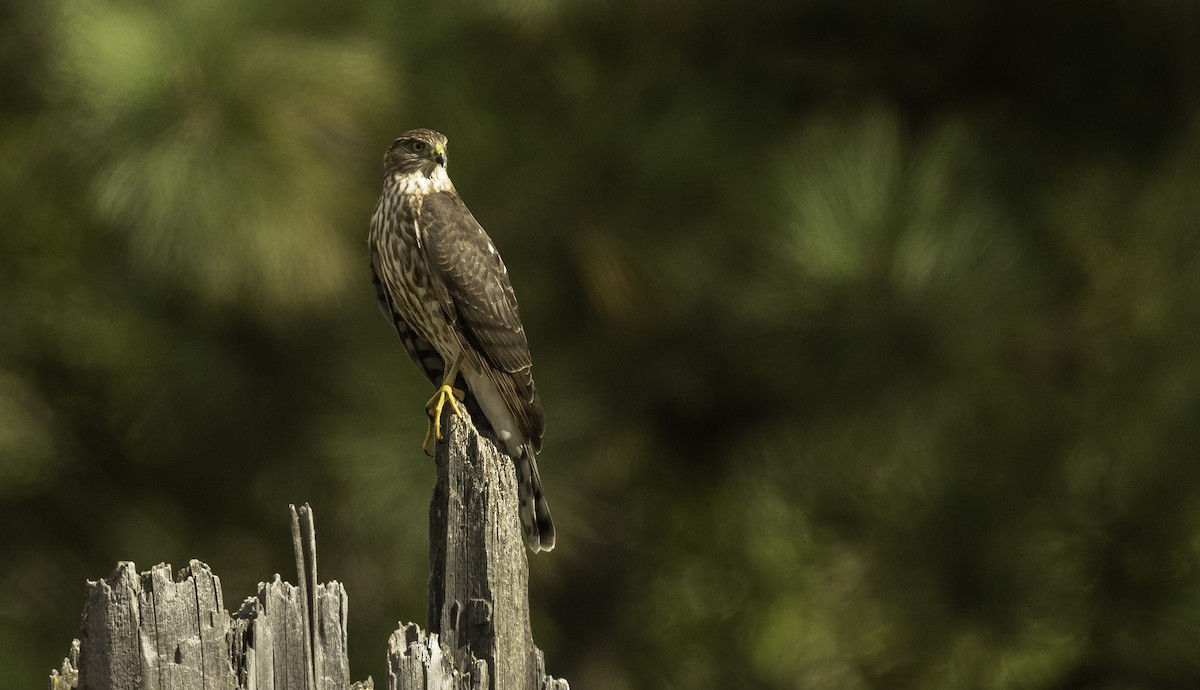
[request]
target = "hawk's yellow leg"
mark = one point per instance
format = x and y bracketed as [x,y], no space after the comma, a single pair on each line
[446,393]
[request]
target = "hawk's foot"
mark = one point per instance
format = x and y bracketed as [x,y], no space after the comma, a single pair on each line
[445,394]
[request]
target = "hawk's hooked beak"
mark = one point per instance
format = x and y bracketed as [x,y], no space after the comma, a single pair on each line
[439,154]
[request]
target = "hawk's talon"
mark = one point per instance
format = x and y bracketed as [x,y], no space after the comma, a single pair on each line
[428,443]
[445,394]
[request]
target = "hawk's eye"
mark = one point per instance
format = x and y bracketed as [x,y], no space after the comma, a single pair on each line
[418,146]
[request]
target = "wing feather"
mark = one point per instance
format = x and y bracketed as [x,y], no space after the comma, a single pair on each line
[478,297]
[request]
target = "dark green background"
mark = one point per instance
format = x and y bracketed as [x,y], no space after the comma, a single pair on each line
[868,333]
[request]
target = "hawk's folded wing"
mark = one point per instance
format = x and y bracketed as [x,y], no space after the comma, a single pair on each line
[476,294]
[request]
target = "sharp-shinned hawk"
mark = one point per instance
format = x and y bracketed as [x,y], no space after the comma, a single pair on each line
[444,287]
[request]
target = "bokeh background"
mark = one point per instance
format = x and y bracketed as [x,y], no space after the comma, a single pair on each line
[868,333]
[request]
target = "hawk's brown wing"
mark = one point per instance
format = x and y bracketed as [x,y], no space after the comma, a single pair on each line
[476,294]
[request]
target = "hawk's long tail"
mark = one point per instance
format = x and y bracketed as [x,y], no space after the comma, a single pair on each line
[535,512]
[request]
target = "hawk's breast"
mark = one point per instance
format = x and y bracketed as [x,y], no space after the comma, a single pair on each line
[396,246]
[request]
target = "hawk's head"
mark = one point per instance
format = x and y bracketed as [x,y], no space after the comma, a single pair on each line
[416,151]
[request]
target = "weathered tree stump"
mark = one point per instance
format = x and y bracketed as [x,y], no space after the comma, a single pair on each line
[158,631]
[478,567]
[155,631]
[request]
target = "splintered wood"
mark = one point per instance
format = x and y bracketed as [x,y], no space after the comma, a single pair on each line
[155,631]
[162,631]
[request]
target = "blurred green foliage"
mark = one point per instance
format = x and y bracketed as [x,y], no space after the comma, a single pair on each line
[869,336]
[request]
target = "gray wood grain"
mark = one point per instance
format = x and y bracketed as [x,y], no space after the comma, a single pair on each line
[155,631]
[478,567]
[270,639]
[67,675]
[110,647]
[419,662]
[332,660]
[159,631]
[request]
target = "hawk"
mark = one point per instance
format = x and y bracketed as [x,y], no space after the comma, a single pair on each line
[445,289]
